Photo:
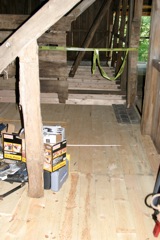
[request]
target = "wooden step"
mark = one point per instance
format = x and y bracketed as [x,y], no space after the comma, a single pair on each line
[7,96]
[88,84]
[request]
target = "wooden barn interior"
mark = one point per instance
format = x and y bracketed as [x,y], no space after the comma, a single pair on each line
[74,63]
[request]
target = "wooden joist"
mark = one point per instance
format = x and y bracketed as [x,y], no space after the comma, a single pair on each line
[33,29]
[7,96]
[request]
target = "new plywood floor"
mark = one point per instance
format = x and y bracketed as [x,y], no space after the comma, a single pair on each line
[112,169]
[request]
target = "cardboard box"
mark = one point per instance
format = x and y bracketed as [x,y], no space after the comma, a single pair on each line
[55,156]
[12,146]
[53,134]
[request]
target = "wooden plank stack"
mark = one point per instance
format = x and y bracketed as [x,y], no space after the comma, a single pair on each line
[52,65]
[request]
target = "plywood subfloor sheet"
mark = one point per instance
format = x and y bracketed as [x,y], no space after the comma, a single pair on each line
[112,169]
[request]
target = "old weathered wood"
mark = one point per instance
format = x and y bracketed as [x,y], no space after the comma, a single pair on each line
[121,33]
[11,21]
[151,107]
[81,8]
[134,36]
[27,49]
[9,83]
[107,178]
[124,75]
[53,86]
[114,33]
[90,35]
[65,22]
[156,64]
[30,103]
[12,48]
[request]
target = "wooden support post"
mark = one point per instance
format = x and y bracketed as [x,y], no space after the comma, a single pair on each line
[33,29]
[151,104]
[125,71]
[134,36]
[90,35]
[30,102]
[115,32]
[121,33]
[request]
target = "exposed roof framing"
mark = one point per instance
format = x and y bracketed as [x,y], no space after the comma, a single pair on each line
[31,30]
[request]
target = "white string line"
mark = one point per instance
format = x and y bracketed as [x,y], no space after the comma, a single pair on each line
[93,145]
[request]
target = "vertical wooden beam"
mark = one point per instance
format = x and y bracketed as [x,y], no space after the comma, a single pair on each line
[109,27]
[133,56]
[151,73]
[121,33]
[30,102]
[125,71]
[33,29]
[90,35]
[115,33]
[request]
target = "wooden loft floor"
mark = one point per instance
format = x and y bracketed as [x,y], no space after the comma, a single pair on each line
[112,169]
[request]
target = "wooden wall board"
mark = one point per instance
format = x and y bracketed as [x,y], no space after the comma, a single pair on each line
[151,108]
[10,113]
[52,69]
[7,84]
[4,35]
[16,7]
[53,37]
[134,36]
[53,86]
[11,21]
[59,56]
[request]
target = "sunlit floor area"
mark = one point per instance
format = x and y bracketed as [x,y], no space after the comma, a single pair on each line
[112,169]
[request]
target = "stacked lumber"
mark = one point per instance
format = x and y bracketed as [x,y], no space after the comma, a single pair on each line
[84,88]
[88,89]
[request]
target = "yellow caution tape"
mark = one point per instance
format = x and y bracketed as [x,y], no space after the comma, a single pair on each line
[78,49]
[96,58]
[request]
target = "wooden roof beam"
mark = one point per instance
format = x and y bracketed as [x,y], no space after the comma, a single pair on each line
[76,12]
[40,22]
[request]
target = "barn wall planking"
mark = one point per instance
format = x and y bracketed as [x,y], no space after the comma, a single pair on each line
[18,7]
[80,28]
[51,64]
[151,108]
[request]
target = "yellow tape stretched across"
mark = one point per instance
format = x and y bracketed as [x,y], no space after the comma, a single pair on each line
[96,58]
[103,73]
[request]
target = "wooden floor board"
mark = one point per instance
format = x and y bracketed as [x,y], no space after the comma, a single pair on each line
[112,169]
[105,208]
[136,200]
